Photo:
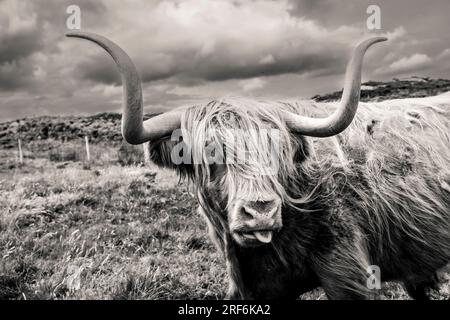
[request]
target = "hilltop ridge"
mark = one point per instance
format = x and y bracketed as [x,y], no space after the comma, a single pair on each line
[412,87]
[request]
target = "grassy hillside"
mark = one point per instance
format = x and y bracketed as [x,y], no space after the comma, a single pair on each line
[110,228]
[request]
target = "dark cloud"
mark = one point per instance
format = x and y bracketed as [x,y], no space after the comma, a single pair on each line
[18,41]
[15,74]
[300,65]
[30,28]
[100,70]
[19,45]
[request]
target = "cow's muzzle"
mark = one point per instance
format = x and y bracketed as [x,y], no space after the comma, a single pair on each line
[255,223]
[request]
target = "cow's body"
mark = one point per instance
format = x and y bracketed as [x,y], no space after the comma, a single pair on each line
[376,196]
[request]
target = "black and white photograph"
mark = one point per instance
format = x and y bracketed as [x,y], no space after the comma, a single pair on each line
[258,150]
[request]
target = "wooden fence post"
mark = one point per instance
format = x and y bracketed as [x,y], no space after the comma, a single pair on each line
[20,152]
[146,148]
[88,152]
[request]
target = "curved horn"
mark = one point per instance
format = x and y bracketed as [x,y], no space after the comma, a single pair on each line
[134,129]
[343,116]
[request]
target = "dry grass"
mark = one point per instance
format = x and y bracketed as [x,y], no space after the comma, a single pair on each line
[108,232]
[104,233]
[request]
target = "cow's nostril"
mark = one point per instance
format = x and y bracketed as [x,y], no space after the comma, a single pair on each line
[246,213]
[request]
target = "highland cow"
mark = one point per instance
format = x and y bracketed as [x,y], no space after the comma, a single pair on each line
[349,191]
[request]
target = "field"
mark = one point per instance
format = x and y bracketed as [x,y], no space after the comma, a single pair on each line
[76,230]
[108,232]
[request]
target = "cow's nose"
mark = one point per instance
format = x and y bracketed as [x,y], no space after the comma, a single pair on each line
[261,209]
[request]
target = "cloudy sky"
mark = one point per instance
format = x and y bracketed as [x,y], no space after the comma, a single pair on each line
[192,50]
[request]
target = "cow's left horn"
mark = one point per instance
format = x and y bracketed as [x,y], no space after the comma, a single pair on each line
[134,129]
[343,116]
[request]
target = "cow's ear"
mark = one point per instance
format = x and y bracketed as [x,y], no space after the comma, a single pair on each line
[302,148]
[170,154]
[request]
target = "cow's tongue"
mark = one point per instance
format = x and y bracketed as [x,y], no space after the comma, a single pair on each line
[263,236]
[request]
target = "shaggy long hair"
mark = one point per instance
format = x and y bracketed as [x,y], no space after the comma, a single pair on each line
[253,135]
[392,168]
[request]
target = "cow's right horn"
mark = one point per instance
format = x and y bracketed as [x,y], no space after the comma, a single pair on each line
[134,129]
[344,114]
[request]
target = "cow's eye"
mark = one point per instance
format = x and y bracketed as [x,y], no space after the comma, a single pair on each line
[216,170]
